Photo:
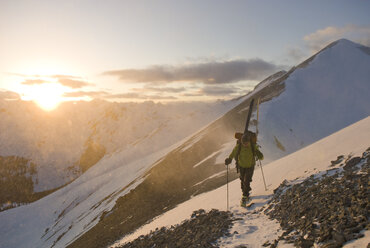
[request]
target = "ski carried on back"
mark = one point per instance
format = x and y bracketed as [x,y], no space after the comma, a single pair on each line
[240,136]
[248,117]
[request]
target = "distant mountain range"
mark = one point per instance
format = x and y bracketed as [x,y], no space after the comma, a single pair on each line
[41,152]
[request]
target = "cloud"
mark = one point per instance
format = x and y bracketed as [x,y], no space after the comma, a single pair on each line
[9,95]
[34,82]
[160,89]
[162,97]
[192,94]
[208,73]
[218,91]
[126,95]
[296,54]
[59,76]
[72,83]
[209,90]
[132,95]
[107,95]
[317,40]
[92,94]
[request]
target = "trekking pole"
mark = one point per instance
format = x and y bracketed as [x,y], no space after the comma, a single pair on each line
[263,176]
[227,187]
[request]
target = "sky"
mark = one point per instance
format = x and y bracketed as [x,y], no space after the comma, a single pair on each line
[183,50]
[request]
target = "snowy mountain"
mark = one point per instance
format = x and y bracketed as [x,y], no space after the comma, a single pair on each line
[117,195]
[43,151]
[322,95]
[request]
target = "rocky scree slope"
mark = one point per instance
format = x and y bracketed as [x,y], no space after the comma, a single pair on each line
[326,209]
[202,230]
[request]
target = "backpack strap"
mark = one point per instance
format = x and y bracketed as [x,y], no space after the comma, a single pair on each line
[239,142]
[252,141]
[253,151]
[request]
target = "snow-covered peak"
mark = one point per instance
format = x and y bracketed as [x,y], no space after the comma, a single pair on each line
[342,48]
[327,92]
[346,42]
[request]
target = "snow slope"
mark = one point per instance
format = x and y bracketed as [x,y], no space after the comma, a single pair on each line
[324,94]
[59,218]
[301,164]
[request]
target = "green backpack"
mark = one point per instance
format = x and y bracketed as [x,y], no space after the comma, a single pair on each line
[252,138]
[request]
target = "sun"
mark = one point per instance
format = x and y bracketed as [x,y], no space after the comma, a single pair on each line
[46,96]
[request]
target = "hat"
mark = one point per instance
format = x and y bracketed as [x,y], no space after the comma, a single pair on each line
[246,137]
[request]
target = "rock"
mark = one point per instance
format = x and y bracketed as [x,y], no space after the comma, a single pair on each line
[337,161]
[197,213]
[331,244]
[351,236]
[267,243]
[367,226]
[351,163]
[274,245]
[338,237]
[304,243]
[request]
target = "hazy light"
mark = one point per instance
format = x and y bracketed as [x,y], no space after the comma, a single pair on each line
[48,96]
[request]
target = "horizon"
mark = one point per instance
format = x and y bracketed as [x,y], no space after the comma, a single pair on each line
[125,51]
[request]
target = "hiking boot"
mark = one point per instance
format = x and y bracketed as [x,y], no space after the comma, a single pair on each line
[244,201]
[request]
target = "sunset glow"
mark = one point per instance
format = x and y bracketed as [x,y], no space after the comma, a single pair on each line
[47,96]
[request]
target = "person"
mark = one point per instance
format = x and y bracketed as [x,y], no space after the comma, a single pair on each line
[245,154]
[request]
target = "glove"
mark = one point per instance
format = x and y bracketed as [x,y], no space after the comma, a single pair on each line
[228,161]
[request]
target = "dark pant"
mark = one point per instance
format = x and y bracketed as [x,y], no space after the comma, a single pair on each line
[246,175]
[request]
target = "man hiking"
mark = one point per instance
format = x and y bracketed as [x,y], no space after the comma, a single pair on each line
[245,154]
